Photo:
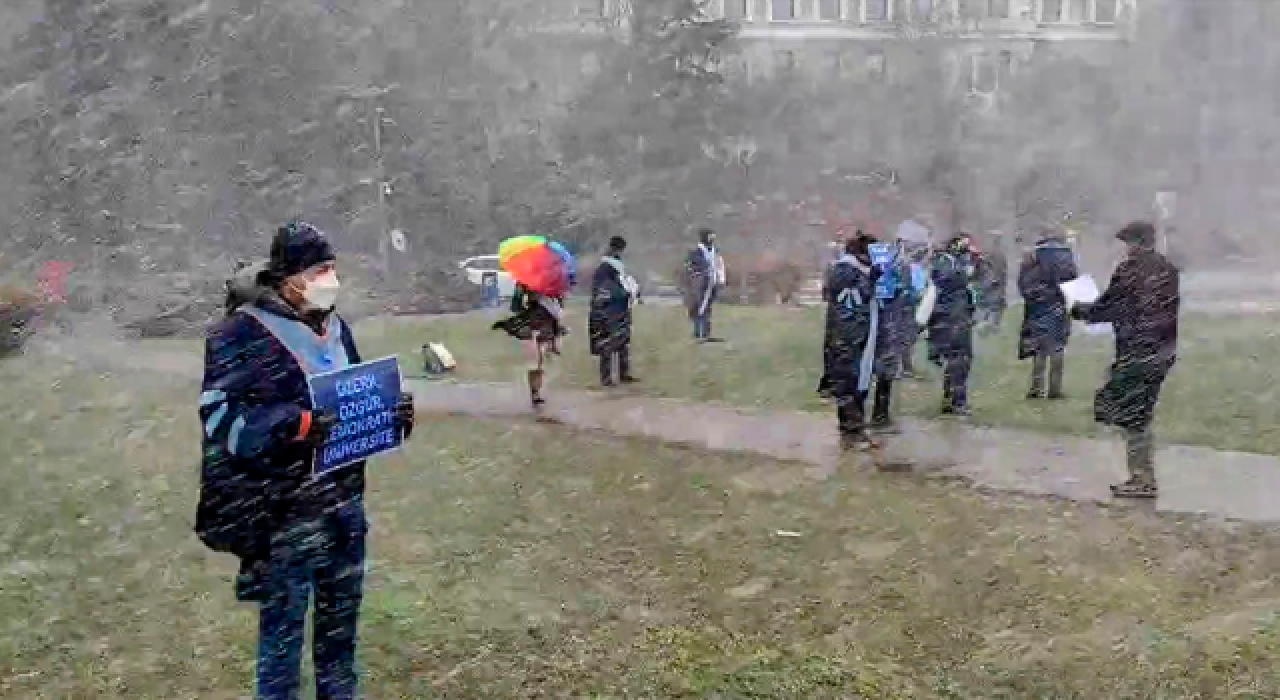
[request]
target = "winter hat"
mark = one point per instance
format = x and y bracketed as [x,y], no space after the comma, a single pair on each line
[1138,233]
[617,244]
[297,246]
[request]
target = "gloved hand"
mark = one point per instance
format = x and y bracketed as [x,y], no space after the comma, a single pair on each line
[404,415]
[1080,310]
[320,428]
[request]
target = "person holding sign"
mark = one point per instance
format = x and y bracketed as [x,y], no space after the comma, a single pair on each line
[298,531]
[1141,303]
[897,324]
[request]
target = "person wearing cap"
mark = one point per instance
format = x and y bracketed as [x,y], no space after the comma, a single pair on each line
[1141,303]
[296,535]
[613,292]
[1046,326]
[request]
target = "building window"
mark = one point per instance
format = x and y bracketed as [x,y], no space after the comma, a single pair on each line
[984,9]
[998,9]
[830,10]
[922,9]
[784,9]
[1078,11]
[1104,11]
[590,8]
[1050,11]
[736,10]
[875,10]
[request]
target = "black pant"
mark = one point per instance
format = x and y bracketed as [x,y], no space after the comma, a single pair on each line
[880,401]
[955,378]
[1054,364]
[849,415]
[623,355]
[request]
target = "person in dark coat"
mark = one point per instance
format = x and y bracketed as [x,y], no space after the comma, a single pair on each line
[537,321]
[993,273]
[852,327]
[296,535]
[609,321]
[837,251]
[1046,326]
[1141,303]
[950,325]
[895,298]
[703,269]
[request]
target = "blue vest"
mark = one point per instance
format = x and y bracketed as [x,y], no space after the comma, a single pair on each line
[315,354]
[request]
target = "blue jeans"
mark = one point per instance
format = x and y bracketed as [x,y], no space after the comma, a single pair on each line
[324,556]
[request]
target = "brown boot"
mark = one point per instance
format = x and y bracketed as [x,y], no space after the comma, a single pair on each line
[1140,456]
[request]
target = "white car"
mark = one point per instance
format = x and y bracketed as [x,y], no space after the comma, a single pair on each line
[476,267]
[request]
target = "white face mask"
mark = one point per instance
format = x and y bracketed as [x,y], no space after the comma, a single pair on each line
[322,292]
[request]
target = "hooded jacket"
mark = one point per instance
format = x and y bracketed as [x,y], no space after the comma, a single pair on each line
[255,405]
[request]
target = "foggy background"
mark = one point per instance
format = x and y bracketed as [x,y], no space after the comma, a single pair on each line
[154,142]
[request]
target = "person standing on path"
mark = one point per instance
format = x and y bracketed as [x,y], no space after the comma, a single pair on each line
[1046,326]
[705,271]
[951,323]
[1141,303]
[296,534]
[894,296]
[613,292]
[852,326]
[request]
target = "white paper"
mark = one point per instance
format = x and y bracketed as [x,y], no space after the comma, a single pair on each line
[1081,290]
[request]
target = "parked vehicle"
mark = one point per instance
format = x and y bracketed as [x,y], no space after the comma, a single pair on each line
[475,268]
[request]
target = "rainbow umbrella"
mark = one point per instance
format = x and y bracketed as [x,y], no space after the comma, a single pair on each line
[540,265]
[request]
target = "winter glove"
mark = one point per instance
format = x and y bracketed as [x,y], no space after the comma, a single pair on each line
[1080,311]
[316,427]
[405,416]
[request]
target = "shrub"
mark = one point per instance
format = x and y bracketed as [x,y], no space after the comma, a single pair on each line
[19,309]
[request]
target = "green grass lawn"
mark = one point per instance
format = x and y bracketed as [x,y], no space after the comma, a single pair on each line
[519,560]
[1221,394]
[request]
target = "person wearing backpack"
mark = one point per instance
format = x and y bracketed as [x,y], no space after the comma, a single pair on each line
[296,535]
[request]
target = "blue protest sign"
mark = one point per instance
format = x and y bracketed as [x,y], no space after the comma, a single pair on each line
[364,398]
[881,254]
[882,257]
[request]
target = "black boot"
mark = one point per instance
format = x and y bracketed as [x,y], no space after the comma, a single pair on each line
[624,366]
[881,421]
[606,369]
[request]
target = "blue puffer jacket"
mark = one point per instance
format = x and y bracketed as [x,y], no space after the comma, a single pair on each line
[254,401]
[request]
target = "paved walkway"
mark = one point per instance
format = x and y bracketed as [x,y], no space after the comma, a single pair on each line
[1193,480]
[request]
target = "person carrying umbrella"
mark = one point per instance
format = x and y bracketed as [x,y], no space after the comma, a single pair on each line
[543,272]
